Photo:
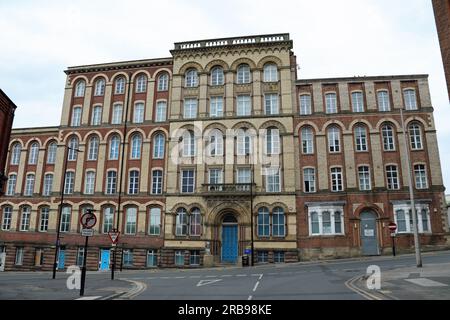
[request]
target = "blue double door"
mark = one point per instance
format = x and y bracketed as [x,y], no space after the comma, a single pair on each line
[104,259]
[229,243]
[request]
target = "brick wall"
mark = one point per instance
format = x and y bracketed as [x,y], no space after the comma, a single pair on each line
[442,15]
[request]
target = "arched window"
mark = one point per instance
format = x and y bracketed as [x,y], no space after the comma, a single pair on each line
[120,86]
[96,116]
[270,72]
[131,219]
[243,74]
[157,181]
[272,141]
[93,148]
[15,153]
[7,218]
[89,182]
[25,218]
[51,152]
[158,146]
[154,225]
[80,88]
[114,146]
[117,113]
[181,222]
[69,182]
[141,83]
[65,219]
[11,187]
[100,87]
[161,111]
[133,182]
[409,95]
[29,185]
[334,139]
[263,222]
[361,138]
[191,78]
[163,82]
[415,135]
[217,76]
[108,219]
[188,143]
[138,114]
[215,143]
[136,142]
[72,153]
[278,222]
[307,140]
[388,137]
[48,185]
[34,153]
[243,142]
[76,117]
[195,221]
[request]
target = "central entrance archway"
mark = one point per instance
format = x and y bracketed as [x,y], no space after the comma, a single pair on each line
[229,238]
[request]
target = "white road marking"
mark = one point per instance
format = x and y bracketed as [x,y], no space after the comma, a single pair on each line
[260,276]
[207,282]
[256,286]
[241,275]
[165,277]
[180,277]
[89,298]
[194,277]
[211,276]
[226,275]
[273,273]
[250,297]
[424,282]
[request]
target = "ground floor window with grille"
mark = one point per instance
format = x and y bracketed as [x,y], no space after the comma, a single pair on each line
[19,256]
[194,258]
[179,258]
[278,257]
[152,258]
[404,218]
[128,258]
[263,257]
[80,256]
[326,220]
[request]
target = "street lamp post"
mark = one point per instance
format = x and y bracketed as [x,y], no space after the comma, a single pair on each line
[58,226]
[251,210]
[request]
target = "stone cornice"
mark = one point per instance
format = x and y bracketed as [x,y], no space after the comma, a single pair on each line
[119,65]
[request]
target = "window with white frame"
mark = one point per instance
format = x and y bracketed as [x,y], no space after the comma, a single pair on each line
[243,74]
[215,145]
[392,177]
[89,182]
[243,142]
[130,222]
[133,182]
[361,138]
[51,152]
[114,146]
[158,146]
[307,137]
[96,116]
[278,257]
[128,257]
[29,185]
[334,140]
[34,153]
[19,256]
[263,222]
[415,136]
[187,181]
[215,178]
[136,144]
[152,258]
[163,82]
[278,222]
[336,179]
[409,95]
[195,222]
[188,144]
[331,102]
[420,175]
[138,114]
[69,182]
[364,178]
[179,257]
[48,185]
[25,218]
[271,104]
[217,78]
[243,176]
[273,183]
[117,113]
[161,111]
[157,181]
[326,220]
[357,101]
[120,86]
[191,78]
[384,104]
[388,138]
[93,148]
[111,182]
[154,226]
[72,151]
[404,219]
[190,108]
[305,104]
[141,83]
[15,154]
[80,88]
[216,107]
[181,226]
[80,256]
[309,180]
[108,219]
[6,218]
[272,141]
[244,105]
[194,257]
[76,117]
[11,186]
[270,72]
[43,219]
[99,87]
[262,256]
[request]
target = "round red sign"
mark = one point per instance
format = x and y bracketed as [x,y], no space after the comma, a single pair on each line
[392,226]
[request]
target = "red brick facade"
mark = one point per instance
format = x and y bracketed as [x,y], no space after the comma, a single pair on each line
[442,15]
[7,109]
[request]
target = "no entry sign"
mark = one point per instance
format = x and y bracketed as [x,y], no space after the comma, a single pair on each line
[392,226]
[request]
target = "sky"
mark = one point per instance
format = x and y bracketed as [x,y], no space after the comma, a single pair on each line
[40,39]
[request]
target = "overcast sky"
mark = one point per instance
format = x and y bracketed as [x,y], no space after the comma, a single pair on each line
[40,39]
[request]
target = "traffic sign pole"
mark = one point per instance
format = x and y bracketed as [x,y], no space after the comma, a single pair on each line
[83,270]
[393,246]
[88,220]
[392,228]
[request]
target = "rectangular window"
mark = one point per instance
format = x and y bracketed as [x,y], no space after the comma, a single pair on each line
[326,220]
[271,104]
[108,219]
[383,101]
[138,116]
[309,180]
[194,258]
[7,218]
[89,182]
[69,182]
[336,180]
[157,182]
[25,219]
[273,180]
[11,187]
[278,257]
[358,102]
[29,185]
[215,179]
[361,139]
[305,104]
[48,185]
[128,258]
[216,107]
[243,105]
[364,178]
[409,96]
[152,258]
[155,221]
[117,114]
[404,219]
[179,258]
[420,175]
[243,176]
[39,257]
[187,181]
[19,256]
[263,257]
[161,111]
[130,226]
[76,117]
[331,103]
[96,116]
[80,256]
[392,178]
[133,182]
[65,219]
[190,109]
[43,223]
[111,182]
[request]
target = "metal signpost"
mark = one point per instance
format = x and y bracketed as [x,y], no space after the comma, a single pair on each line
[114,236]
[88,221]
[393,228]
